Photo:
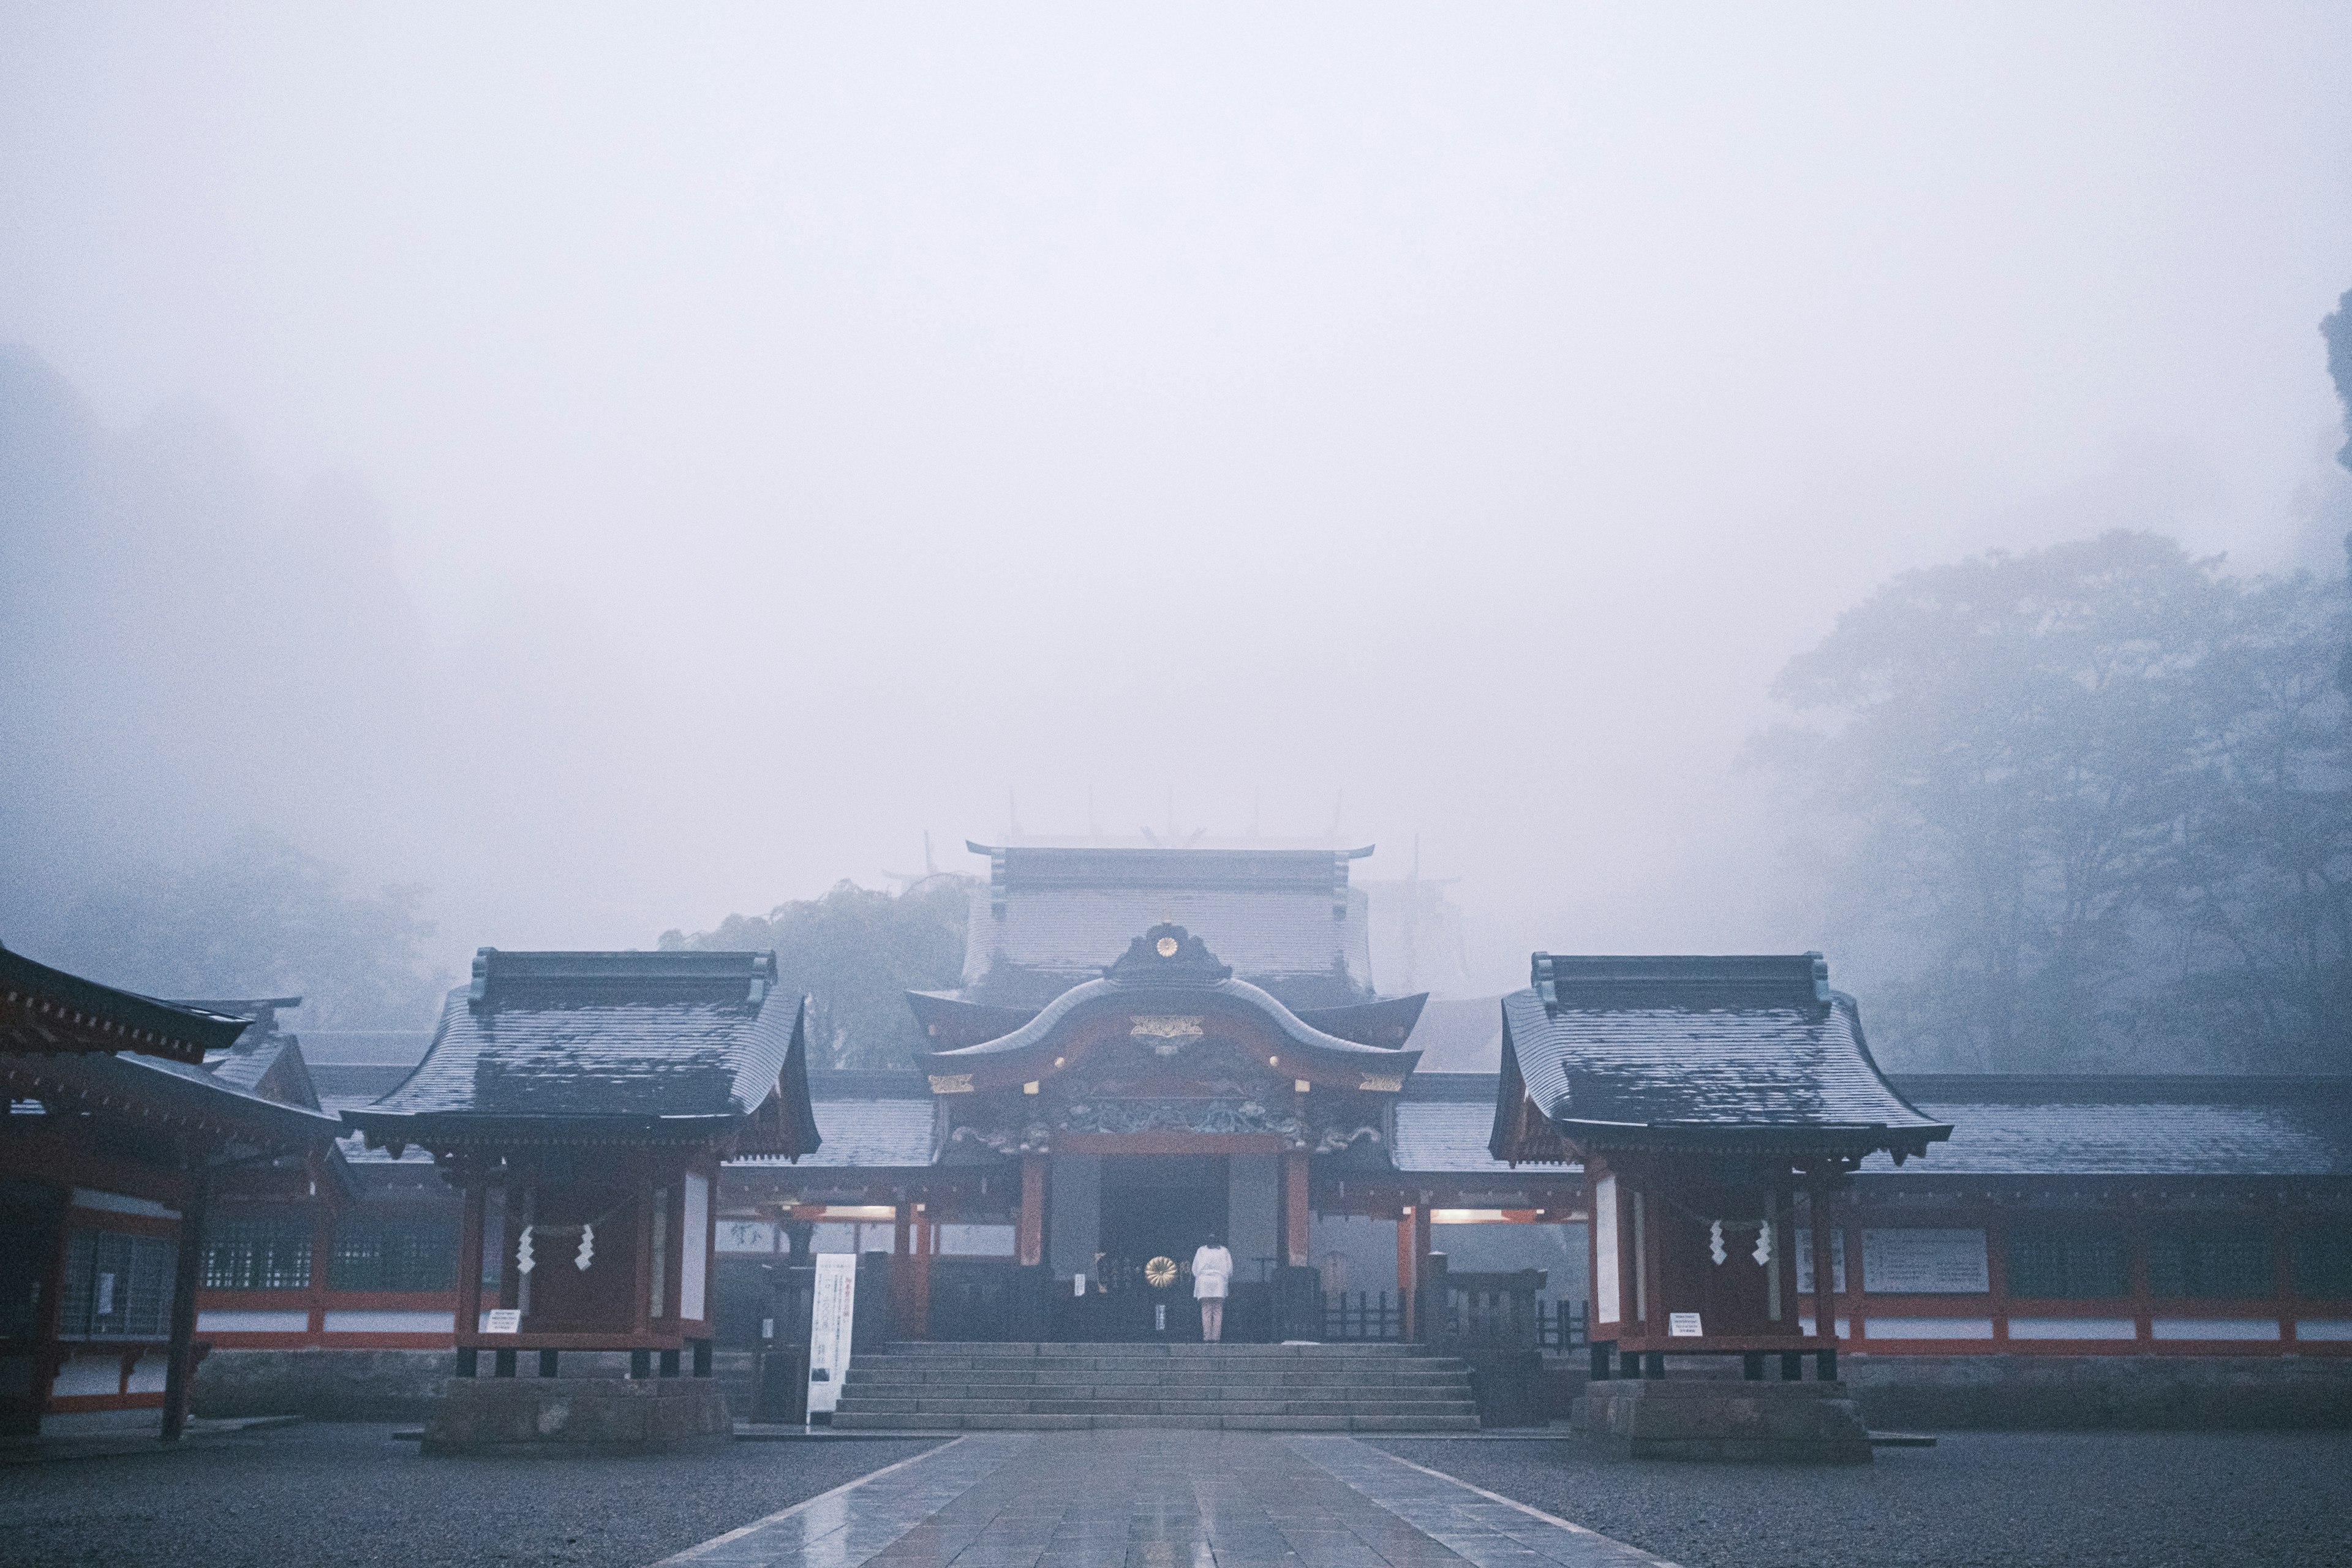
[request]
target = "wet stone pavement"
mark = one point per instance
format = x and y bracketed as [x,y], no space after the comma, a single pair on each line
[1158,1500]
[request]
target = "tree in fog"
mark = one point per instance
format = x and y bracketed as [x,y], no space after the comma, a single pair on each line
[2337,331]
[259,918]
[855,952]
[2088,808]
[2258,891]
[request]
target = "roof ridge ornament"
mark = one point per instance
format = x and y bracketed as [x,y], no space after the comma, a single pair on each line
[1168,954]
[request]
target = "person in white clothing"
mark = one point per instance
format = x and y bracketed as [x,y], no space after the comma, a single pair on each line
[1213,1265]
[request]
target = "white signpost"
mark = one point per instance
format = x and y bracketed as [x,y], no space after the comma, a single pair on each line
[829,1328]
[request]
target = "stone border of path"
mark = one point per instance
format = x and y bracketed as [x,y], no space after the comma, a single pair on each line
[1471,1533]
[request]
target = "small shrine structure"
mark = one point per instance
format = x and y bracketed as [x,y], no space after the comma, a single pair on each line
[584,1101]
[1716,1105]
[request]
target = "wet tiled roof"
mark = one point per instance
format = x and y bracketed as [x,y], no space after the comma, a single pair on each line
[1700,1046]
[629,1033]
[1460,1034]
[1284,917]
[44,1011]
[1443,1122]
[1444,1137]
[364,1047]
[2183,1126]
[355,1145]
[867,1135]
[151,1085]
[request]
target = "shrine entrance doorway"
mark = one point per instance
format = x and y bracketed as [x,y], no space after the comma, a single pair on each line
[1154,1208]
[1160,1206]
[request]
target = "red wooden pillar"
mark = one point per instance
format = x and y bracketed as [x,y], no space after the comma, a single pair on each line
[907,1326]
[641,1313]
[469,1270]
[1824,1276]
[188,1278]
[1297,1223]
[927,1242]
[322,1252]
[1413,1265]
[1404,1269]
[1033,1210]
[1650,1223]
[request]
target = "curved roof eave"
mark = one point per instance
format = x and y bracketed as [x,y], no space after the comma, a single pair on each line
[1094,994]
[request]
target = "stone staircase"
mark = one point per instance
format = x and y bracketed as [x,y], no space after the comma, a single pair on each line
[1060,1387]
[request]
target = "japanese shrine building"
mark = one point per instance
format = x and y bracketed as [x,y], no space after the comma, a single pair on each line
[1149,1046]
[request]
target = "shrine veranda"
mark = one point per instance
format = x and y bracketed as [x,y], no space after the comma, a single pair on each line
[1630,1160]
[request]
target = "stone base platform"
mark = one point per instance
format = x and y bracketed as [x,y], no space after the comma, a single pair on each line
[557,1415]
[1798,1423]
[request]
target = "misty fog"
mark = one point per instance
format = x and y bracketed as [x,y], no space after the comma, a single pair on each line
[561,476]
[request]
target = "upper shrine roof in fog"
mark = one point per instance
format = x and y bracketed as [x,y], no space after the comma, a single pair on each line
[1051,918]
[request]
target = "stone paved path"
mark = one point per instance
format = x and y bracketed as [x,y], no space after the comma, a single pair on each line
[1160,1499]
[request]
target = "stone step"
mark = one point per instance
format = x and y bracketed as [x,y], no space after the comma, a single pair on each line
[849,1420]
[1073,1387]
[931,1366]
[863,1391]
[867,1374]
[1163,1407]
[1150,1350]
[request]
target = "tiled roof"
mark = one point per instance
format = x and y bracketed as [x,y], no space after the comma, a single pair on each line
[630,1035]
[357,1084]
[246,1063]
[2135,1126]
[1460,1036]
[364,1047]
[1700,1047]
[1441,1126]
[867,1135]
[1286,918]
[1444,1137]
[151,1085]
[355,1145]
[45,1011]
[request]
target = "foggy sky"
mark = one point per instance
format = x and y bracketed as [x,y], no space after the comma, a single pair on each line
[780,431]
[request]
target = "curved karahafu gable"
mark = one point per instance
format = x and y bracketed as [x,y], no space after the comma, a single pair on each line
[1737,1052]
[609,1046]
[1168,982]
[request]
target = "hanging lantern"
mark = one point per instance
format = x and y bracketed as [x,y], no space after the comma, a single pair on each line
[524,1263]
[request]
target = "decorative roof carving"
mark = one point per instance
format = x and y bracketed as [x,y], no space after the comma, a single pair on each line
[1168,954]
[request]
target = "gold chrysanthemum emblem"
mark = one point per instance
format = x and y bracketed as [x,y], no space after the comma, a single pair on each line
[1160,1273]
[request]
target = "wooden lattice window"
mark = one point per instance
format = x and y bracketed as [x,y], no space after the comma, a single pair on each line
[2212,1260]
[2061,1263]
[117,1287]
[2323,1263]
[258,1252]
[393,1252]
